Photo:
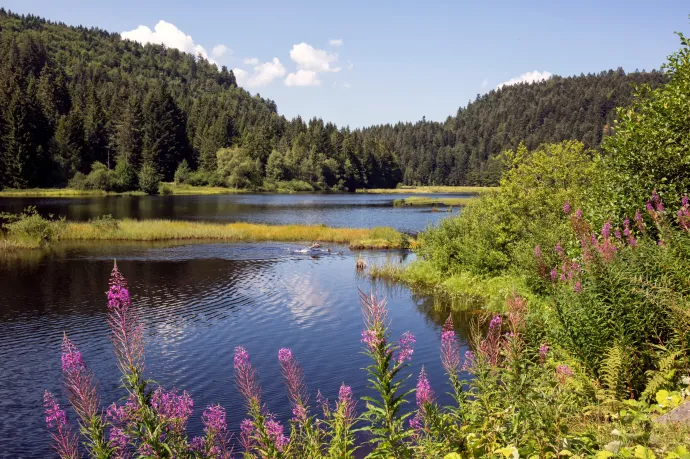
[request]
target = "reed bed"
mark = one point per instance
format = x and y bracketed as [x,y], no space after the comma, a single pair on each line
[432,189]
[61,193]
[424,201]
[160,230]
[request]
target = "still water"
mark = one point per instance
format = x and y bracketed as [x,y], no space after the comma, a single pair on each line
[338,210]
[198,302]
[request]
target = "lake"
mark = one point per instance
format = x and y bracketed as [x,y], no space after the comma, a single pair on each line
[337,210]
[199,301]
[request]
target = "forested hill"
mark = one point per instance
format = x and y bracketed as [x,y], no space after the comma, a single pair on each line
[84,107]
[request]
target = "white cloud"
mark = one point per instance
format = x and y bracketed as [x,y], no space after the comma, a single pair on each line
[485,83]
[303,78]
[309,58]
[261,75]
[166,34]
[529,77]
[350,65]
[251,61]
[347,85]
[336,42]
[219,50]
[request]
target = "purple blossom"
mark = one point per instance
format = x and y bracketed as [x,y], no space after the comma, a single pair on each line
[563,372]
[246,434]
[543,351]
[294,381]
[425,394]
[577,287]
[559,249]
[173,408]
[416,422]
[496,322]
[371,339]
[566,208]
[127,333]
[65,442]
[71,357]
[79,382]
[450,348]
[639,222]
[469,362]
[274,430]
[346,402]
[685,202]
[606,230]
[537,251]
[245,376]
[406,344]
[214,419]
[658,204]
[554,275]
[578,214]
[649,207]
[617,234]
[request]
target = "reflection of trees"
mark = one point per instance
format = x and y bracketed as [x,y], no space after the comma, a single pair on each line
[72,279]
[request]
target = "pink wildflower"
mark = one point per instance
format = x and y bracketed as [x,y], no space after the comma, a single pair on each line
[64,441]
[245,376]
[450,348]
[406,344]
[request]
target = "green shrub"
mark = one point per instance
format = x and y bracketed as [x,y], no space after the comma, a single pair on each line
[31,228]
[165,189]
[149,179]
[104,223]
[125,176]
[651,143]
[182,173]
[100,178]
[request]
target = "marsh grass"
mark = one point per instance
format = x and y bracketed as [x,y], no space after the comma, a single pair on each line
[431,189]
[186,189]
[424,201]
[161,230]
[463,290]
[61,193]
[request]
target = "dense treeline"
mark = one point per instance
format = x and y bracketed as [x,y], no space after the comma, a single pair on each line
[83,107]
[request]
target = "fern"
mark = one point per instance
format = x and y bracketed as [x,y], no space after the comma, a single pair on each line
[657,379]
[611,372]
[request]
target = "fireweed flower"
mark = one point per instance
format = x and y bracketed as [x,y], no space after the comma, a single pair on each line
[537,252]
[658,203]
[450,348]
[216,429]
[406,344]
[563,372]
[495,322]
[578,214]
[543,351]
[174,409]
[606,230]
[64,441]
[245,376]
[559,249]
[371,339]
[425,394]
[346,403]
[469,361]
[79,382]
[577,288]
[373,310]
[274,430]
[566,208]
[247,434]
[554,275]
[639,222]
[617,233]
[294,381]
[127,333]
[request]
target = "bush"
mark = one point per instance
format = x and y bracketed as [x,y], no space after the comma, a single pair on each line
[104,223]
[125,176]
[149,179]
[203,178]
[182,173]
[100,178]
[31,228]
[165,189]
[649,148]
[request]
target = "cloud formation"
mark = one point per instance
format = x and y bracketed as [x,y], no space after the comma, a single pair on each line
[529,77]
[303,78]
[168,34]
[261,75]
[309,58]
[219,50]
[336,42]
[251,61]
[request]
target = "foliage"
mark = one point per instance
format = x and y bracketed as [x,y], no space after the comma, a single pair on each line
[149,179]
[31,229]
[182,173]
[649,150]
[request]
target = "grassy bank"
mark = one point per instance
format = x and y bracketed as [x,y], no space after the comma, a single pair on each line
[424,201]
[33,231]
[431,189]
[61,193]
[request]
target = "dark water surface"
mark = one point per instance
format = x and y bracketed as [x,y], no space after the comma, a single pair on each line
[198,302]
[339,210]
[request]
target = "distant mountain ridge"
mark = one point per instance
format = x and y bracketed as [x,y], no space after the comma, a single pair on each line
[72,97]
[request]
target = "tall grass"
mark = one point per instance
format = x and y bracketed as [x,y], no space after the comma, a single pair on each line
[61,193]
[430,189]
[424,201]
[159,230]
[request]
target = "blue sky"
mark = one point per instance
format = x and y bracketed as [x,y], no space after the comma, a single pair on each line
[395,60]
